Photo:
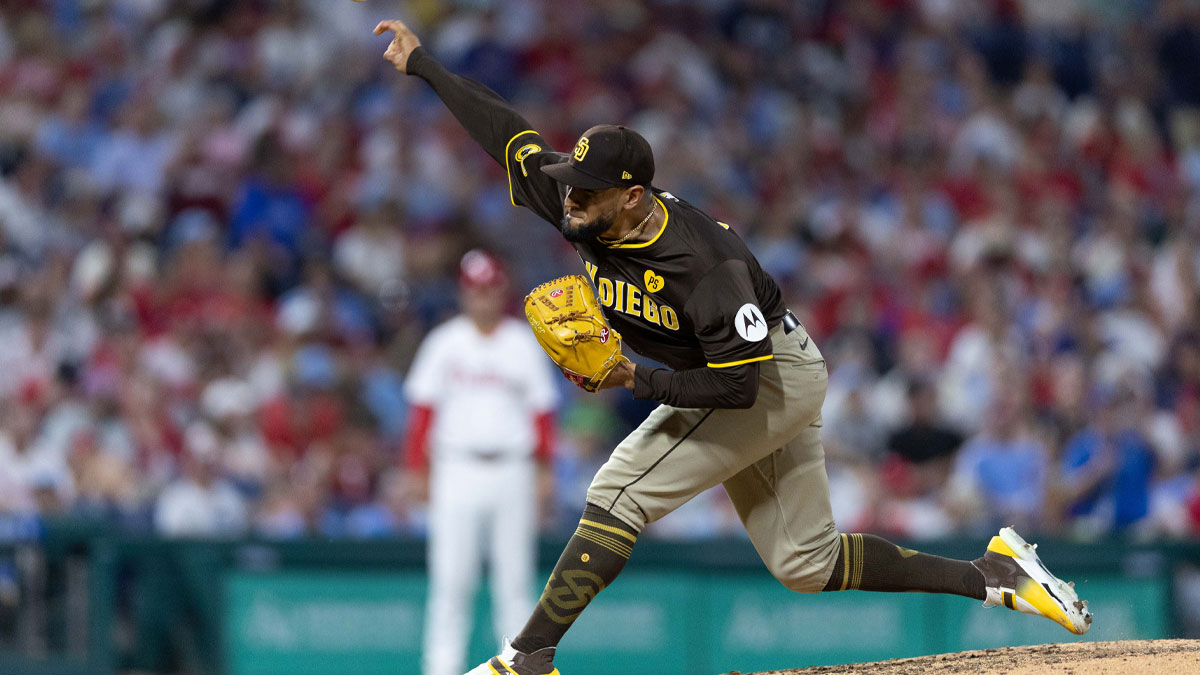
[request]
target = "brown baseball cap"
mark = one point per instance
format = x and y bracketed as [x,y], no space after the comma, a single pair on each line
[606,156]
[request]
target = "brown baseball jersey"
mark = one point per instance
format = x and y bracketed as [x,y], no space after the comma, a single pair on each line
[693,297]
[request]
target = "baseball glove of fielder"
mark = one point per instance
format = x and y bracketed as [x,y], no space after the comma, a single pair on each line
[570,326]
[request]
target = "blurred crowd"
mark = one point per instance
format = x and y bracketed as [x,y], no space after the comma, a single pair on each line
[226,225]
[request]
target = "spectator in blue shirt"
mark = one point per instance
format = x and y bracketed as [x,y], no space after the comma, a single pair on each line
[1107,469]
[271,209]
[70,136]
[1000,475]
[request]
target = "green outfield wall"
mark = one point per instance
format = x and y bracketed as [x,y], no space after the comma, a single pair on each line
[648,623]
[319,607]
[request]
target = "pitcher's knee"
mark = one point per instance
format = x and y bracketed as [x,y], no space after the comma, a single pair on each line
[806,580]
[620,504]
[807,570]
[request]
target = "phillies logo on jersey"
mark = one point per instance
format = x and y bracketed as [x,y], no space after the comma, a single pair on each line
[604,333]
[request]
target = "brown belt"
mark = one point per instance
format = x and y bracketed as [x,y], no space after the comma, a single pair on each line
[790,322]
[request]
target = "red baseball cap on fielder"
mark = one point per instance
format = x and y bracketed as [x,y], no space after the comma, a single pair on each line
[480,269]
[606,156]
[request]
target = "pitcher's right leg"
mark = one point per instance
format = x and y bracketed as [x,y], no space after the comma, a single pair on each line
[783,502]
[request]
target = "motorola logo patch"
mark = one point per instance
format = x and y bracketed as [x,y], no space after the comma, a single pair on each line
[750,323]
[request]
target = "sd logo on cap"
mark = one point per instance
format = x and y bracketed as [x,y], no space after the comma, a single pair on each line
[606,156]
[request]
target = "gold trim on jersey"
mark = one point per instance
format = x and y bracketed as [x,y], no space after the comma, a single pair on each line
[507,171]
[644,244]
[742,362]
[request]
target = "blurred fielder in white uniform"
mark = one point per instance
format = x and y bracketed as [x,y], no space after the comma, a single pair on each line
[482,393]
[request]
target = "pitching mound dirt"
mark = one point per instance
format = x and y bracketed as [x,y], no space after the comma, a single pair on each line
[1091,658]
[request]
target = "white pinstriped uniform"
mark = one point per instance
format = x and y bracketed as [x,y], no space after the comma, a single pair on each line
[486,391]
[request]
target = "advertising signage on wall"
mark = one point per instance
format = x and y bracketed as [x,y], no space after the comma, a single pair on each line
[684,623]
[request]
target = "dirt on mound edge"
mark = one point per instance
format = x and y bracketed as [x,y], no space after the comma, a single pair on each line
[1133,657]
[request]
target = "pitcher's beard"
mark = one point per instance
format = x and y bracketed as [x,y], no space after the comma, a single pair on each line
[587,231]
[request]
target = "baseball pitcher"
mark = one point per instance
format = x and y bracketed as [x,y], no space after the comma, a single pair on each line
[741,398]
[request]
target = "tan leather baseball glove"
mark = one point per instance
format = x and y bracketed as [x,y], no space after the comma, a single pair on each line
[569,324]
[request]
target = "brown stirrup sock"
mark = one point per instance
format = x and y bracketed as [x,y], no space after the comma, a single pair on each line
[870,563]
[591,561]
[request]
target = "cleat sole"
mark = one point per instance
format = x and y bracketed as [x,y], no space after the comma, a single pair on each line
[1053,597]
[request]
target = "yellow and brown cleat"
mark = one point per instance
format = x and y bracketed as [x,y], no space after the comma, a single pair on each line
[512,662]
[1017,579]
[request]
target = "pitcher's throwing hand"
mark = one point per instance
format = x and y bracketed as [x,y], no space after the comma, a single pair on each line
[401,46]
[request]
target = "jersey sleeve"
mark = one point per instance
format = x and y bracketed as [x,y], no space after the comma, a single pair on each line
[543,396]
[426,376]
[524,156]
[728,322]
[501,131]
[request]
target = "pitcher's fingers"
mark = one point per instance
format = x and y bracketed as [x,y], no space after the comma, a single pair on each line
[394,25]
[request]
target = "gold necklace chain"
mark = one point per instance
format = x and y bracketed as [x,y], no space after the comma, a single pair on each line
[635,231]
